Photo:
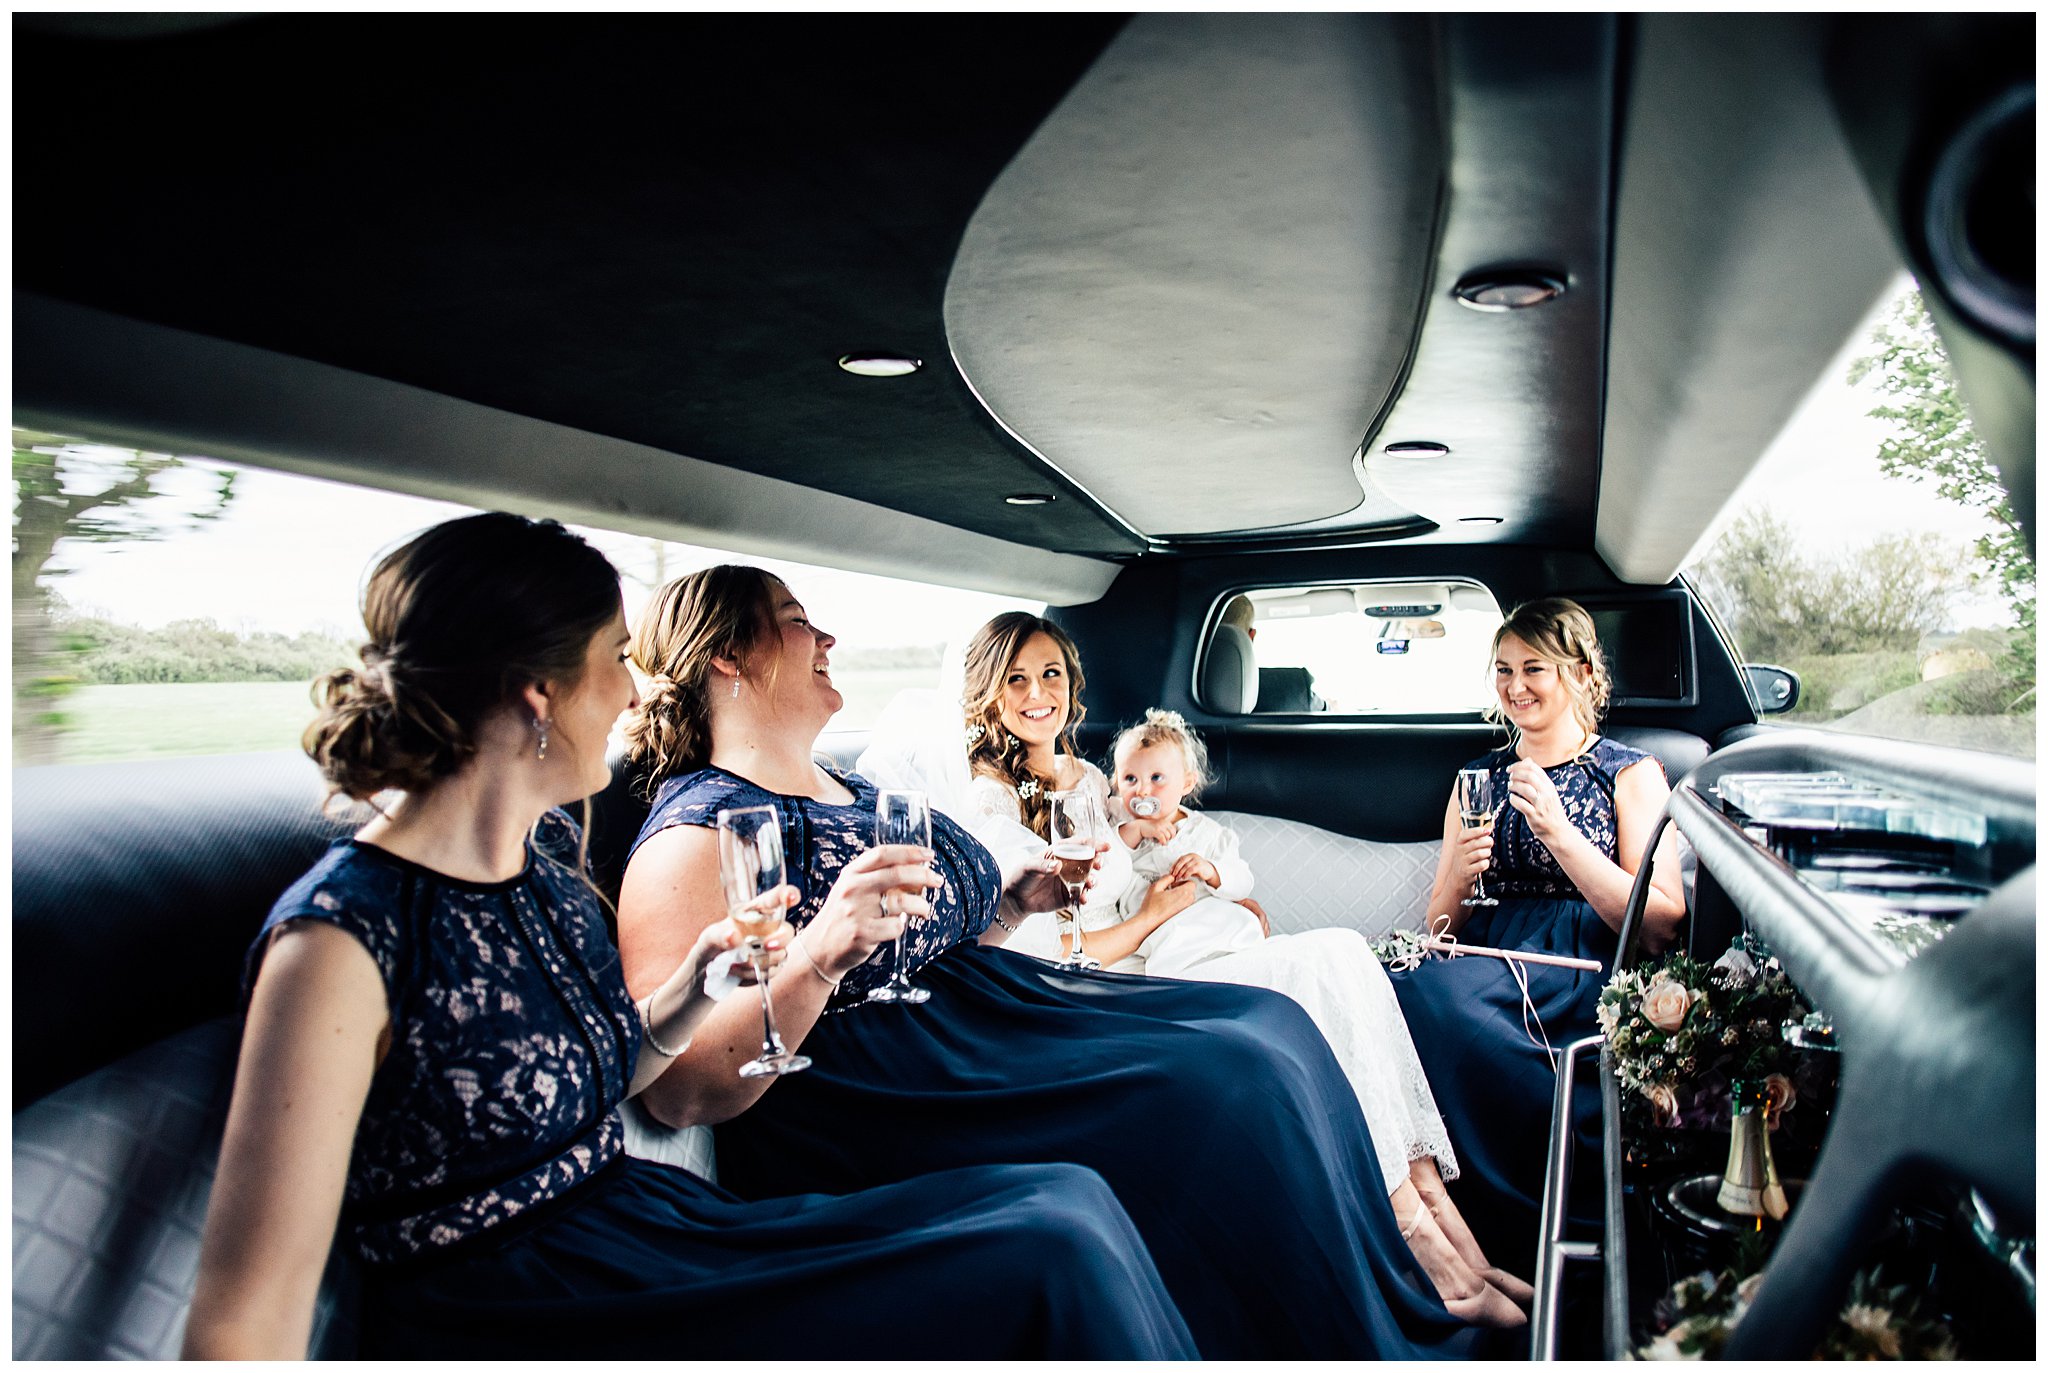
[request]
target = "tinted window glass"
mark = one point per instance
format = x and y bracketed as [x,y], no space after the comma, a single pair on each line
[175,606]
[1874,553]
[1370,648]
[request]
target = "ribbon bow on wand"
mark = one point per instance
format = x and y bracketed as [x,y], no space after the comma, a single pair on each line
[1440,940]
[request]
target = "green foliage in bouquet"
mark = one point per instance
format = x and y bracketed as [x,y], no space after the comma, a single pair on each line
[1695,1319]
[1682,1031]
[1398,949]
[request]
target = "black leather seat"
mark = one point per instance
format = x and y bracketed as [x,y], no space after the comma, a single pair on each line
[137,889]
[1288,689]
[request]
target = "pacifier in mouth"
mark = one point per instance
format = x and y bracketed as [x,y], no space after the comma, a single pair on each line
[1144,807]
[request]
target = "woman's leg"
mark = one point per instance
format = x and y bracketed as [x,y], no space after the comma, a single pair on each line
[1466,1294]
[1429,1185]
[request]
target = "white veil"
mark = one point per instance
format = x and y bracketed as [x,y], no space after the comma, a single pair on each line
[921,743]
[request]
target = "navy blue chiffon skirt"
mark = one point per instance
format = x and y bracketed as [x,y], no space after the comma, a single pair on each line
[1217,1114]
[1493,1083]
[648,1261]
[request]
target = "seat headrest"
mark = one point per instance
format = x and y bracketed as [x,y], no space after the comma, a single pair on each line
[1230,674]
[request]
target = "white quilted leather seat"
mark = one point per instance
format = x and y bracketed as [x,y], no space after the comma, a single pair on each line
[1311,879]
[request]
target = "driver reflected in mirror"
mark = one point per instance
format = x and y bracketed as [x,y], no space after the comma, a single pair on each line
[1281,689]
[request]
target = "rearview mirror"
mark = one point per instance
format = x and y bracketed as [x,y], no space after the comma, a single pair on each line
[1773,690]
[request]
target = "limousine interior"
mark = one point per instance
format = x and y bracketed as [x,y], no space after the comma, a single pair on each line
[1385,321]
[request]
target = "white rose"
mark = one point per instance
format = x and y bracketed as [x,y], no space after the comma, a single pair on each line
[1663,1103]
[1780,1092]
[1739,965]
[1665,1003]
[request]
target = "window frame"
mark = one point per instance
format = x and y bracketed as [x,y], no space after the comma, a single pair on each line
[1213,617]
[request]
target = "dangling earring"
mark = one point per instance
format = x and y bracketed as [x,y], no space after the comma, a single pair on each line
[735,686]
[541,753]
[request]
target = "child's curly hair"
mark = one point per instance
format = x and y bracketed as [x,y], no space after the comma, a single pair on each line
[1167,727]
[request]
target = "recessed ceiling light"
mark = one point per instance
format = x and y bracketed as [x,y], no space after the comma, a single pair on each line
[1028,498]
[1480,519]
[1508,288]
[879,364]
[1419,447]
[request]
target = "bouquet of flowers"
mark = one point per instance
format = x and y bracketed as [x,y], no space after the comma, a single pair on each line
[1694,1320]
[1682,1031]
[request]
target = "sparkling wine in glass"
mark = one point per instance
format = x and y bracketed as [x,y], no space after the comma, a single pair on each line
[1475,811]
[1075,823]
[901,817]
[750,869]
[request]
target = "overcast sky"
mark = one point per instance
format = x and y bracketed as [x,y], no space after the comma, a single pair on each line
[290,552]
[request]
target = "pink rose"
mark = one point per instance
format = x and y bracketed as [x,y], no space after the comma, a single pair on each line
[1665,1003]
[1780,1092]
[1663,1103]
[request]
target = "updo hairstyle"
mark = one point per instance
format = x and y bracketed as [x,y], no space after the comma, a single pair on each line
[992,751]
[1167,727]
[720,612]
[460,619]
[1562,633]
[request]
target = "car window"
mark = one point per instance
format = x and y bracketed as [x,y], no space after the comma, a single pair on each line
[1873,553]
[1368,648]
[168,605]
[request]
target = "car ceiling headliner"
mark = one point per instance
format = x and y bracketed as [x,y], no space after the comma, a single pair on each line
[1197,266]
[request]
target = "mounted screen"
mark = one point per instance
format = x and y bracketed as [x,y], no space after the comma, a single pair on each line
[1648,644]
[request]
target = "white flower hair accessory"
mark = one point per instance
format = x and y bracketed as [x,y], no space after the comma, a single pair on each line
[975,733]
[1027,788]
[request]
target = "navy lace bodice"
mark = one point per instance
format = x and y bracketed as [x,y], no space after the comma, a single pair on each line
[1522,866]
[512,1042]
[819,838]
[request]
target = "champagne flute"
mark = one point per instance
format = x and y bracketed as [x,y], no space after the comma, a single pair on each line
[751,871]
[901,817]
[1075,822]
[1475,810]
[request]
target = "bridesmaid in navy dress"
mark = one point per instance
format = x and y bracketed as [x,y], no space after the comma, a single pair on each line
[439,1035]
[1217,1113]
[1561,858]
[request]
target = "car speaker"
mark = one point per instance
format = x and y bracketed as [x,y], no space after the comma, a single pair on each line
[1979,215]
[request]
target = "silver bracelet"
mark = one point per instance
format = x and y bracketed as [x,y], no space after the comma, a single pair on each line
[1004,923]
[833,983]
[647,1029]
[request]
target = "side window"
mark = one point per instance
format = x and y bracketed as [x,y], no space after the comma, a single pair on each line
[1874,553]
[169,606]
[1364,648]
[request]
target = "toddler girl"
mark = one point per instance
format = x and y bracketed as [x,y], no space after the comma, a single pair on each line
[1159,766]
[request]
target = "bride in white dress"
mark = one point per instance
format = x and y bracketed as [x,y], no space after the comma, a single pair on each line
[1021,698]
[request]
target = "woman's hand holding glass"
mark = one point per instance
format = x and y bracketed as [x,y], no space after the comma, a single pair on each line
[878,892]
[901,817]
[1077,828]
[725,936]
[1531,792]
[750,869]
[1477,807]
[1472,853]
